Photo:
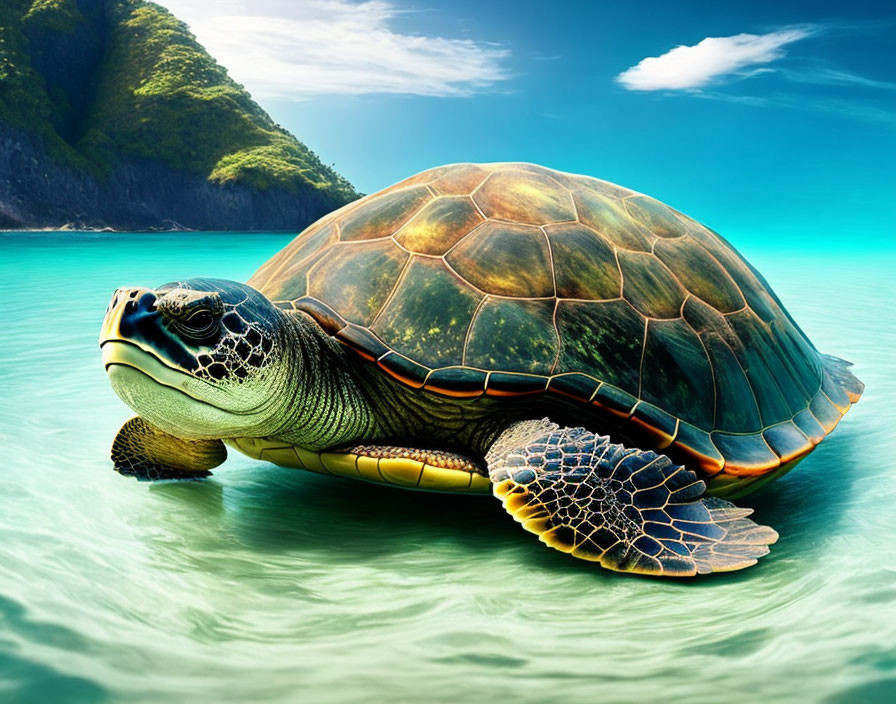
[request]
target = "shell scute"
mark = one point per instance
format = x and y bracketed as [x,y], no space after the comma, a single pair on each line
[704,318]
[381,216]
[362,341]
[809,426]
[615,400]
[284,277]
[798,355]
[603,338]
[461,179]
[505,259]
[507,384]
[659,426]
[786,440]
[700,274]
[576,385]
[429,314]
[513,334]
[694,445]
[523,196]
[649,286]
[405,370]
[584,263]
[461,382]
[676,374]
[746,454]
[776,392]
[422,178]
[835,393]
[577,182]
[735,403]
[357,278]
[825,412]
[439,224]
[322,314]
[654,216]
[608,217]
[754,291]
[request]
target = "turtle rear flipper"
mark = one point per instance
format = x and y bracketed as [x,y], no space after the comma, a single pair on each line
[629,510]
[148,453]
[838,371]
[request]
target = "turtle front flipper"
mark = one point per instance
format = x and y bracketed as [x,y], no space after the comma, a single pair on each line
[144,451]
[629,510]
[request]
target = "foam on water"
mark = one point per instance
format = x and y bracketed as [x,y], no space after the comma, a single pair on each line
[267,583]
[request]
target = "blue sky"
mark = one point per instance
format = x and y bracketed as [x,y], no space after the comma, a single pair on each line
[768,119]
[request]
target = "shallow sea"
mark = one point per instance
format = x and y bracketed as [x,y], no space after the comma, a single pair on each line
[271,584]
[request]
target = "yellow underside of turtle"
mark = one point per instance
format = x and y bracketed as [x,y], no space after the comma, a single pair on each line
[397,471]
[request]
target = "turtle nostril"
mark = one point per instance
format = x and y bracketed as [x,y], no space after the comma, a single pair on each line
[147,299]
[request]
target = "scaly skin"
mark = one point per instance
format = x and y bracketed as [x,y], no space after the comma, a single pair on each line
[321,402]
[331,399]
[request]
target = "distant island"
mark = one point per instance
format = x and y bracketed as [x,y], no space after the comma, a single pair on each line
[112,115]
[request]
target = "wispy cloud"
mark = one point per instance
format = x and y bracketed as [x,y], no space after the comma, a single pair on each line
[835,77]
[291,50]
[692,67]
[851,108]
[858,110]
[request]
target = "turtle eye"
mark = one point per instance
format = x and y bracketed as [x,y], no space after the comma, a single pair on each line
[194,315]
[200,326]
[201,322]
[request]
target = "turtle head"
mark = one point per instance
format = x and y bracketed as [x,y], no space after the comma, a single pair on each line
[202,357]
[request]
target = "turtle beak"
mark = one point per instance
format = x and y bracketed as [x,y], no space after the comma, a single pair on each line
[134,323]
[125,303]
[125,309]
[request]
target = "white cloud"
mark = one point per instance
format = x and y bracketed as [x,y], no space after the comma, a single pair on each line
[691,67]
[289,50]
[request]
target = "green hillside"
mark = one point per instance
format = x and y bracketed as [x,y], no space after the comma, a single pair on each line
[101,81]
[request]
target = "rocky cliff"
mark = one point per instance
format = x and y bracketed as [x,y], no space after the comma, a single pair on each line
[112,115]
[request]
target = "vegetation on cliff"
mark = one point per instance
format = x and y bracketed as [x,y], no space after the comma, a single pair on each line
[100,81]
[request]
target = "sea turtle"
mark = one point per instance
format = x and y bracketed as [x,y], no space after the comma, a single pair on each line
[606,366]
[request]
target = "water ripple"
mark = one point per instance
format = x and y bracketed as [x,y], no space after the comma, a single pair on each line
[268,584]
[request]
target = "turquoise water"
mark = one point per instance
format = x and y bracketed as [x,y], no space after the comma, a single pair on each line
[270,584]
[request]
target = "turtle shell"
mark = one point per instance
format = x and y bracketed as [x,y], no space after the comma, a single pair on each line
[512,279]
